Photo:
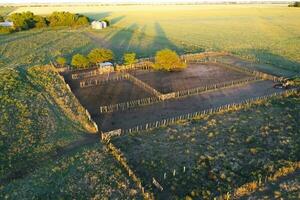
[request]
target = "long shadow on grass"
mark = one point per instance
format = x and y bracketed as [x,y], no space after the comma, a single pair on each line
[97,15]
[266,57]
[120,41]
[161,41]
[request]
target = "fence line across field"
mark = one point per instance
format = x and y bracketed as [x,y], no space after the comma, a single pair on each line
[122,160]
[172,120]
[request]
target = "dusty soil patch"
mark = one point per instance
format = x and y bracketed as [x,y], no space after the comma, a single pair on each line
[109,93]
[195,75]
[182,106]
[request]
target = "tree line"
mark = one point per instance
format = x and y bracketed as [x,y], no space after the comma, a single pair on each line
[165,60]
[28,20]
[295,4]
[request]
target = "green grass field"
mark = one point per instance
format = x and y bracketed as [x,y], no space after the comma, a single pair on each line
[263,33]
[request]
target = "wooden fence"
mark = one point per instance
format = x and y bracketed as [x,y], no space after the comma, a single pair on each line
[143,85]
[227,107]
[128,105]
[122,160]
[184,93]
[259,74]
[101,81]
[206,88]
[91,73]
[199,56]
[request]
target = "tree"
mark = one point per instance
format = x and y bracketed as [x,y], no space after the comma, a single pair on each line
[129,58]
[80,61]
[168,60]
[100,55]
[67,19]
[1,18]
[61,60]
[23,21]
[40,21]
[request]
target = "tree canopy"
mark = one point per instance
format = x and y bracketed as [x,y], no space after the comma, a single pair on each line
[23,21]
[61,60]
[100,55]
[80,61]
[67,19]
[168,60]
[1,18]
[129,58]
[295,4]
[27,20]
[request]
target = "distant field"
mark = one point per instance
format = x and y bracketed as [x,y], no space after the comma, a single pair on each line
[6,10]
[264,33]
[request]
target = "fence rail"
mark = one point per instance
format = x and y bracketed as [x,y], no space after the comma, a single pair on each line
[184,93]
[128,105]
[99,81]
[168,121]
[122,160]
[143,85]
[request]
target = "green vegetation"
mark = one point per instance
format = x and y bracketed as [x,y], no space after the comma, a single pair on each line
[67,19]
[39,116]
[231,149]
[80,61]
[1,18]
[61,61]
[100,55]
[88,172]
[295,4]
[5,10]
[168,60]
[24,21]
[129,58]
[27,20]
[40,46]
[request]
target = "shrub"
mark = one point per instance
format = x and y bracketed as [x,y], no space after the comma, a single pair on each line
[80,61]
[100,55]
[1,18]
[61,60]
[168,60]
[67,19]
[40,22]
[129,58]
[295,4]
[5,30]
[23,21]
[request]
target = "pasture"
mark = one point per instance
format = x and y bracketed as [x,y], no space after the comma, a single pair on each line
[206,158]
[266,34]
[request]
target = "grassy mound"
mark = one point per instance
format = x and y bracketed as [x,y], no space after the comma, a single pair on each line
[38,118]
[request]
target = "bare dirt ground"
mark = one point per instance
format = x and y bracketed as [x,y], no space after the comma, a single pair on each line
[195,75]
[109,93]
[130,118]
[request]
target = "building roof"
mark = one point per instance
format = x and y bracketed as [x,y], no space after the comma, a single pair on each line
[7,24]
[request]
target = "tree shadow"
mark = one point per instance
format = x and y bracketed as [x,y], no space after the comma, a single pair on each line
[270,62]
[161,41]
[97,15]
[120,41]
[115,20]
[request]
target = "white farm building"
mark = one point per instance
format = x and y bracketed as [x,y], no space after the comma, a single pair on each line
[99,24]
[6,24]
